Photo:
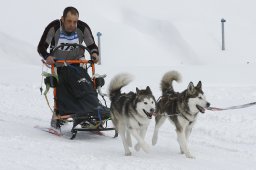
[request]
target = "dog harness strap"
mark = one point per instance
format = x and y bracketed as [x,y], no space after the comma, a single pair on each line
[182,115]
[140,124]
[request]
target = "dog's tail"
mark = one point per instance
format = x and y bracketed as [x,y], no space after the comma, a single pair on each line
[166,83]
[117,83]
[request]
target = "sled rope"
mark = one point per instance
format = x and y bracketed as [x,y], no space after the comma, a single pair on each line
[47,101]
[219,109]
[165,114]
[41,88]
[232,107]
[45,74]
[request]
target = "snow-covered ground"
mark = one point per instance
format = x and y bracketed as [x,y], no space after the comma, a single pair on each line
[146,39]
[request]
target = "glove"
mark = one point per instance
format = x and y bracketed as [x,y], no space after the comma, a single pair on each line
[95,57]
[50,60]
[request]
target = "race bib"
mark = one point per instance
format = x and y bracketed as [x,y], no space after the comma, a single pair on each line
[68,39]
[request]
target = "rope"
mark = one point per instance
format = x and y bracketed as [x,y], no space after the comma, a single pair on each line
[99,115]
[49,105]
[177,114]
[232,107]
[41,88]
[45,74]
[213,108]
[104,101]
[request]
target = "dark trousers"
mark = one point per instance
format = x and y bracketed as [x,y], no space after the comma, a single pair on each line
[75,92]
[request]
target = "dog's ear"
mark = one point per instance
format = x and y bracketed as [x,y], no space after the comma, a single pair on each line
[191,88]
[137,90]
[148,90]
[199,85]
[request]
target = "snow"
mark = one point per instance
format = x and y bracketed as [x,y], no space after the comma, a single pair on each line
[146,39]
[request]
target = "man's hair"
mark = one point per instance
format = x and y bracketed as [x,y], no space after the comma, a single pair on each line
[71,9]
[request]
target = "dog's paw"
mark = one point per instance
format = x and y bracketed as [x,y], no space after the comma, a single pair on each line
[137,147]
[154,140]
[128,154]
[190,156]
[145,147]
[181,151]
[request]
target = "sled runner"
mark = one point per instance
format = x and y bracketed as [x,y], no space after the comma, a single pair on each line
[75,72]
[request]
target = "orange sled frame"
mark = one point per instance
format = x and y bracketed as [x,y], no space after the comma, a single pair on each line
[101,124]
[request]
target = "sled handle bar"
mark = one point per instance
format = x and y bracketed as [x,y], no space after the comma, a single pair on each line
[77,62]
[74,61]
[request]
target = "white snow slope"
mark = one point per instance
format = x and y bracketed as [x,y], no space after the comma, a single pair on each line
[146,39]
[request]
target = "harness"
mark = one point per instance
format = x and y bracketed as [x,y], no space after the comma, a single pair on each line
[190,121]
[172,98]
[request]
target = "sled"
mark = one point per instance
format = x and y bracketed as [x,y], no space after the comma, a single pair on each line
[90,122]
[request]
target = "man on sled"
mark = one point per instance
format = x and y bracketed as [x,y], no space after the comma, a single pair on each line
[75,92]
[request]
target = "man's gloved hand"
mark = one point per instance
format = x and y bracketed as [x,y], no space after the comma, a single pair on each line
[50,60]
[95,57]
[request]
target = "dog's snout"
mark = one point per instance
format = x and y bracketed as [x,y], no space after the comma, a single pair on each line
[208,104]
[152,110]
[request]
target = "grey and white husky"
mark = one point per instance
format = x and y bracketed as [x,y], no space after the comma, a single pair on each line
[180,108]
[131,112]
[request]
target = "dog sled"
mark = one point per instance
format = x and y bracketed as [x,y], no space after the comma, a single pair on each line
[92,122]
